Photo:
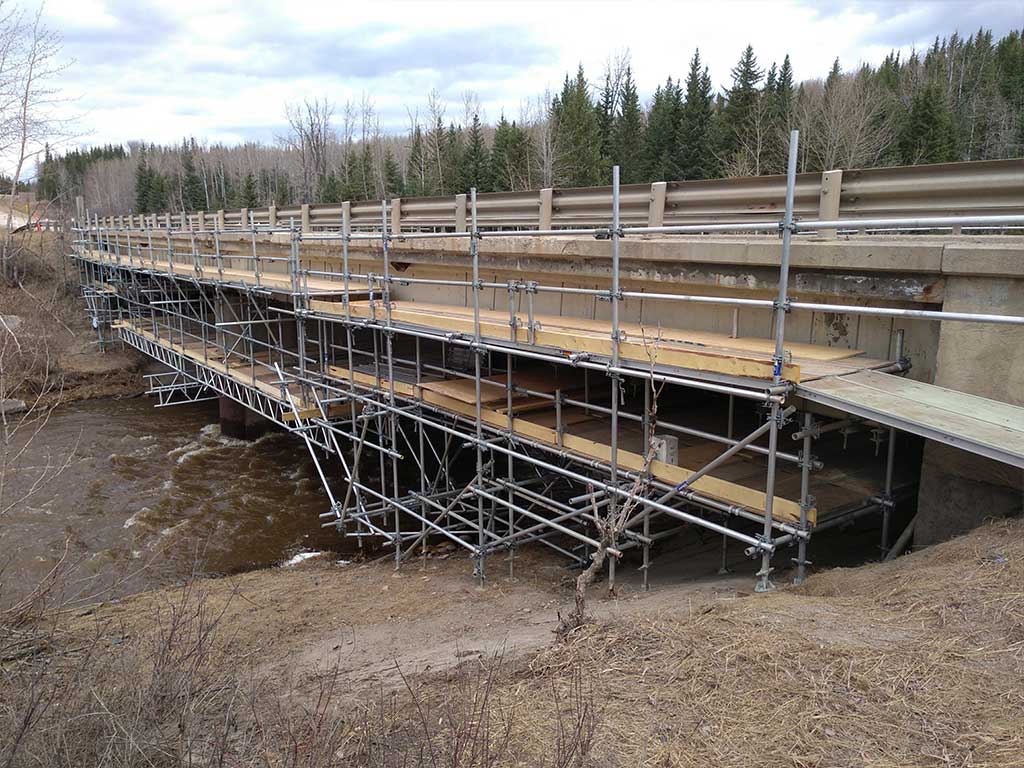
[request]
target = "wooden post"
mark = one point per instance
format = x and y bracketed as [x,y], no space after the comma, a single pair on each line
[167,220]
[243,218]
[460,213]
[828,201]
[200,220]
[396,216]
[656,209]
[272,215]
[547,198]
[183,220]
[305,218]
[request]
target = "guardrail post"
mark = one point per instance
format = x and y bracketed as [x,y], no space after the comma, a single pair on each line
[200,220]
[220,220]
[272,216]
[460,213]
[828,201]
[547,198]
[305,218]
[243,219]
[183,220]
[396,215]
[656,210]
[167,220]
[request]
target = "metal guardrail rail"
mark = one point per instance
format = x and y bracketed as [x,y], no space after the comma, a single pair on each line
[988,187]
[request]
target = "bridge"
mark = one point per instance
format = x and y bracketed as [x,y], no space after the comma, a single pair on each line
[762,359]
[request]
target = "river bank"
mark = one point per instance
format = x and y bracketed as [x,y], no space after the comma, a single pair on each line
[915,662]
[119,648]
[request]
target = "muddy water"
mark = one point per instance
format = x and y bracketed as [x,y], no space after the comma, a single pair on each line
[147,496]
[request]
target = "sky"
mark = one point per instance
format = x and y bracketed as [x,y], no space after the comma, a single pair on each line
[222,72]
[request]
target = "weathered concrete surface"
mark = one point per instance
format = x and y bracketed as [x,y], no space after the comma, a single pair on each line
[960,490]
[239,422]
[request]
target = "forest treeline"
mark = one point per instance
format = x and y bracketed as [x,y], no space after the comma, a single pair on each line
[963,99]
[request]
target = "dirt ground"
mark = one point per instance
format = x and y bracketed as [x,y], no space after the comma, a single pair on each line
[915,662]
[48,346]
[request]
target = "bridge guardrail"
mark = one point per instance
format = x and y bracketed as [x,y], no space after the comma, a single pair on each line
[947,189]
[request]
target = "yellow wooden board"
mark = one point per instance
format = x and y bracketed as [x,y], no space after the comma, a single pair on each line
[556,331]
[734,493]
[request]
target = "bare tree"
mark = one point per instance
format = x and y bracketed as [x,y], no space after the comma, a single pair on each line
[535,115]
[309,137]
[755,141]
[846,124]
[29,65]
[615,518]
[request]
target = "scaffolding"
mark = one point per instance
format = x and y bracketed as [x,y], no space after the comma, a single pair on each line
[493,430]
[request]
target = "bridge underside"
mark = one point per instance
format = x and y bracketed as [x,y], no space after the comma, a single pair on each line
[497,396]
[389,413]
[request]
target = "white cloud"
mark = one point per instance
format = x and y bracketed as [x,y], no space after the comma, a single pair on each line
[223,71]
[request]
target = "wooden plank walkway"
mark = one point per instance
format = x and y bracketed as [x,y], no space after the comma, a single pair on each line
[694,350]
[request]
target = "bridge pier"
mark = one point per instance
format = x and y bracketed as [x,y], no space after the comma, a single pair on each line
[959,490]
[239,422]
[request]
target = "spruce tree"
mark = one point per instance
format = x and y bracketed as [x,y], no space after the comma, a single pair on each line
[193,196]
[452,159]
[927,135]
[577,135]
[510,157]
[476,165]
[606,118]
[250,199]
[157,199]
[740,103]
[628,134]
[416,169]
[394,186]
[330,189]
[143,180]
[695,158]
[658,157]
[784,92]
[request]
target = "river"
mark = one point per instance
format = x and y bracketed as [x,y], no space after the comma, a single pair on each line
[139,496]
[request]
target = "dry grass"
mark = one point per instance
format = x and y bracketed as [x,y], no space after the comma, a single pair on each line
[917,662]
[51,355]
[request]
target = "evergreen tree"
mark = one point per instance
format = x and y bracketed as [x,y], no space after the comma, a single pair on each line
[416,166]
[330,189]
[927,135]
[143,179]
[364,185]
[1009,71]
[628,134]
[577,135]
[784,94]
[510,157]
[157,201]
[659,153]
[250,199]
[606,117]
[193,195]
[452,159]
[394,186]
[476,165]
[695,158]
[740,103]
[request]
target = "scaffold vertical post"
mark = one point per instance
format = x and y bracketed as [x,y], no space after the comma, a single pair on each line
[474,236]
[764,582]
[616,385]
